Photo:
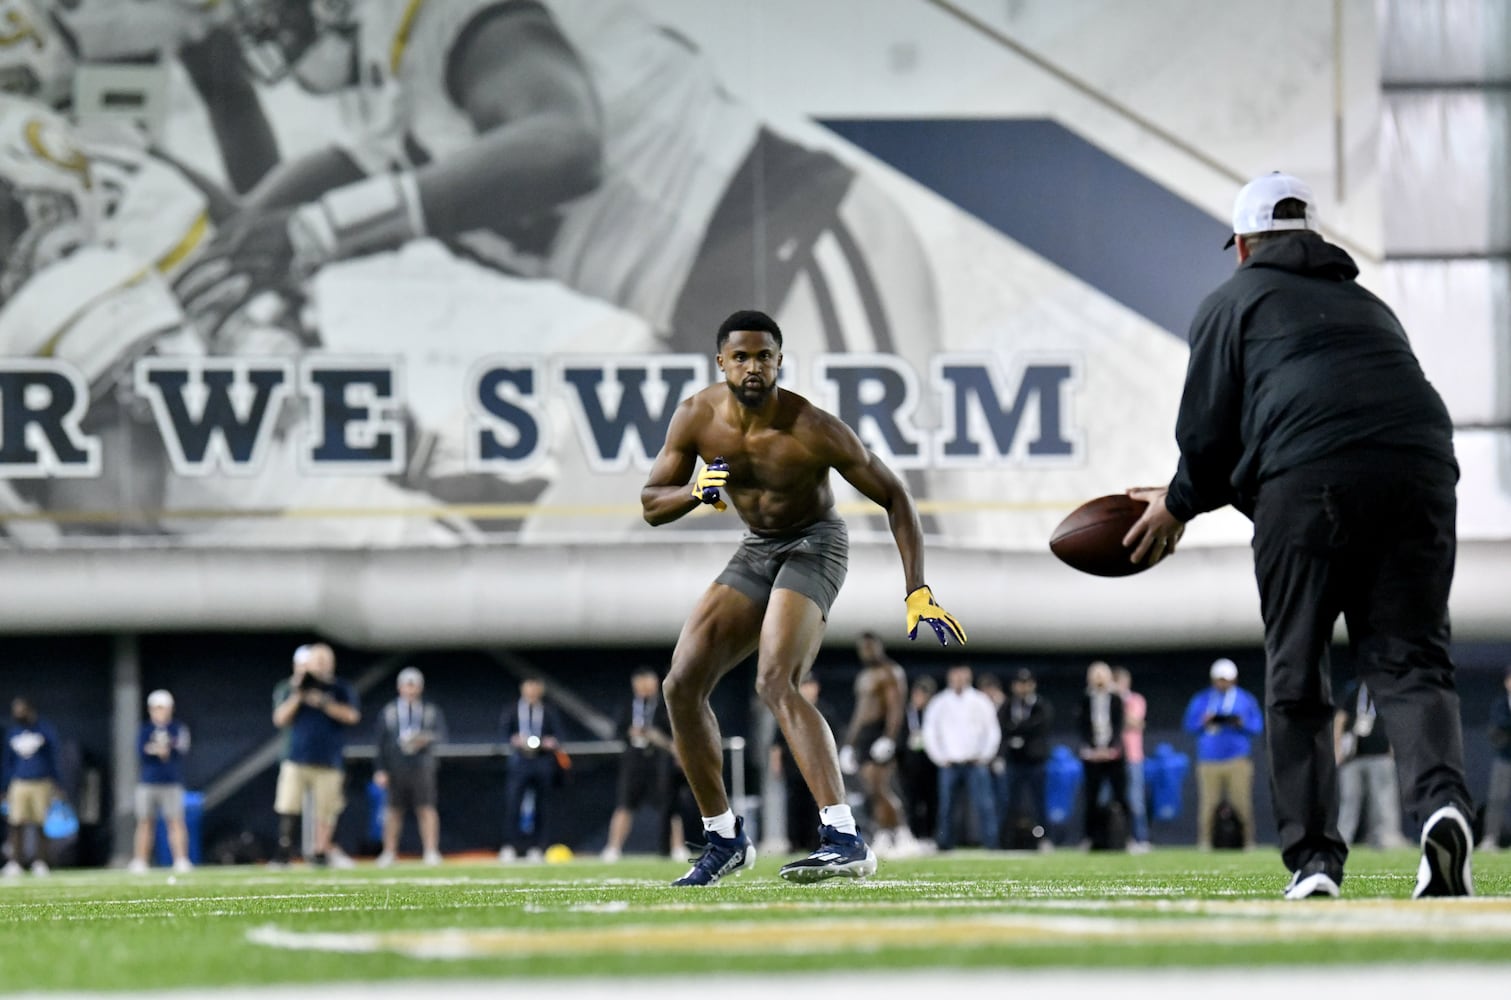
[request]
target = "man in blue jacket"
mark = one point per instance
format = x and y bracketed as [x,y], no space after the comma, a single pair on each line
[1224,719]
[29,772]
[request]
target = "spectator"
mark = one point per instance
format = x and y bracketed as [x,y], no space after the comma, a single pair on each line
[803,819]
[30,774]
[532,729]
[409,728]
[314,708]
[1366,771]
[1135,717]
[1101,754]
[961,736]
[920,777]
[1225,719]
[161,746]
[1500,769]
[991,686]
[645,765]
[1026,720]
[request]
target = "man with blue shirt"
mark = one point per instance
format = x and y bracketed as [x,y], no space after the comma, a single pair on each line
[314,708]
[29,772]
[1224,719]
[161,746]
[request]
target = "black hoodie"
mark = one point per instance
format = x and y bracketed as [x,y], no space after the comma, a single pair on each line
[1291,362]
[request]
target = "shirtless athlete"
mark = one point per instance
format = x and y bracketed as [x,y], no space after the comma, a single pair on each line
[771,451]
[870,744]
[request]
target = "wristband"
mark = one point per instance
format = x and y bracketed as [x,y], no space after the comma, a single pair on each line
[376,213]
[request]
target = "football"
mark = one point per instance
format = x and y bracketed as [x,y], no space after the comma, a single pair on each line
[1090,538]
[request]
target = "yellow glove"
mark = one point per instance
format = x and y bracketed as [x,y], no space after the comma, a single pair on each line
[710,478]
[921,608]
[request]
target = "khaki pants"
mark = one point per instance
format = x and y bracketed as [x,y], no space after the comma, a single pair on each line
[1224,779]
[28,801]
[295,779]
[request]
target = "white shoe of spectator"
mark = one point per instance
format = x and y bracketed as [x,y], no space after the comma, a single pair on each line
[883,844]
[432,858]
[183,865]
[1138,847]
[137,866]
[11,870]
[338,858]
[384,860]
[40,869]
[610,854]
[535,855]
[507,855]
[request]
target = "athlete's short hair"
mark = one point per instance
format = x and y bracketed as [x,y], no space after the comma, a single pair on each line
[748,319]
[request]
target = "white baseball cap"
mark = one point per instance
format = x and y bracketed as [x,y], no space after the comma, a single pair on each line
[160,699]
[1224,670]
[1254,208]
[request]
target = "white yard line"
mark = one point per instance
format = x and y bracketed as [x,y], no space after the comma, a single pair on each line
[1410,982]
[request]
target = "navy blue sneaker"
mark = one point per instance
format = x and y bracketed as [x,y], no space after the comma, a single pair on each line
[839,855]
[723,856]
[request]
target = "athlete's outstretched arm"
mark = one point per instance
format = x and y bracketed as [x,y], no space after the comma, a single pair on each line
[665,495]
[863,470]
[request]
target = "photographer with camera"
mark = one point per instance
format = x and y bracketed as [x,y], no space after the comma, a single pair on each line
[314,708]
[1224,719]
[532,729]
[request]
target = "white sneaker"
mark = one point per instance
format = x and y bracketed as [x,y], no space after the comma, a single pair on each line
[432,858]
[11,870]
[40,869]
[183,865]
[137,866]
[1138,847]
[535,855]
[610,854]
[507,855]
[882,843]
[337,858]
[1314,880]
[384,860]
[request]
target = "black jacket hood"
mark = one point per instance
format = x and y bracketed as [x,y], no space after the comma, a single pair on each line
[1305,253]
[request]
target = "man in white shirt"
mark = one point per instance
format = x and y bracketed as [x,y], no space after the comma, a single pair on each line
[961,734]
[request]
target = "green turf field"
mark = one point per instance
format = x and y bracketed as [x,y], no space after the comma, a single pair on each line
[247,926]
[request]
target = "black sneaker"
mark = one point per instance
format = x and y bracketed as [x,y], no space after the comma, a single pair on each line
[723,856]
[842,855]
[1317,878]
[1447,849]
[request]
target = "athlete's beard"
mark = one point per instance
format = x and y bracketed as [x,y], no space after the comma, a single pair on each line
[751,399]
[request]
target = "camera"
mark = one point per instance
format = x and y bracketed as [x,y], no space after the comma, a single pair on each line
[309,682]
[532,742]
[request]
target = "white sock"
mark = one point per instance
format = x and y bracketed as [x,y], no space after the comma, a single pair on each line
[838,817]
[722,824]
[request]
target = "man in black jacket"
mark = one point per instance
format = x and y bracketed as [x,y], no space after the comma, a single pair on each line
[1305,408]
[1026,720]
[532,730]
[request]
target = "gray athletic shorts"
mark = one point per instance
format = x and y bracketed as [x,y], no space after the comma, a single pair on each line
[166,801]
[812,562]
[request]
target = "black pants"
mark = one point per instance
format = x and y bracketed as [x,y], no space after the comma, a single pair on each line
[920,792]
[1370,536]
[527,773]
[1114,775]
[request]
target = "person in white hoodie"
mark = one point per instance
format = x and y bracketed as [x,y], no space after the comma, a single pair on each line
[961,734]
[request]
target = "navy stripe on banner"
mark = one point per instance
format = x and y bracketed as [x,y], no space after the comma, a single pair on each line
[1084,210]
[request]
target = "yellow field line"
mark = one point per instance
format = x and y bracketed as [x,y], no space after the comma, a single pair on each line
[481,511]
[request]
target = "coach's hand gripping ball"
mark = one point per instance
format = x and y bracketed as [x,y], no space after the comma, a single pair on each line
[921,608]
